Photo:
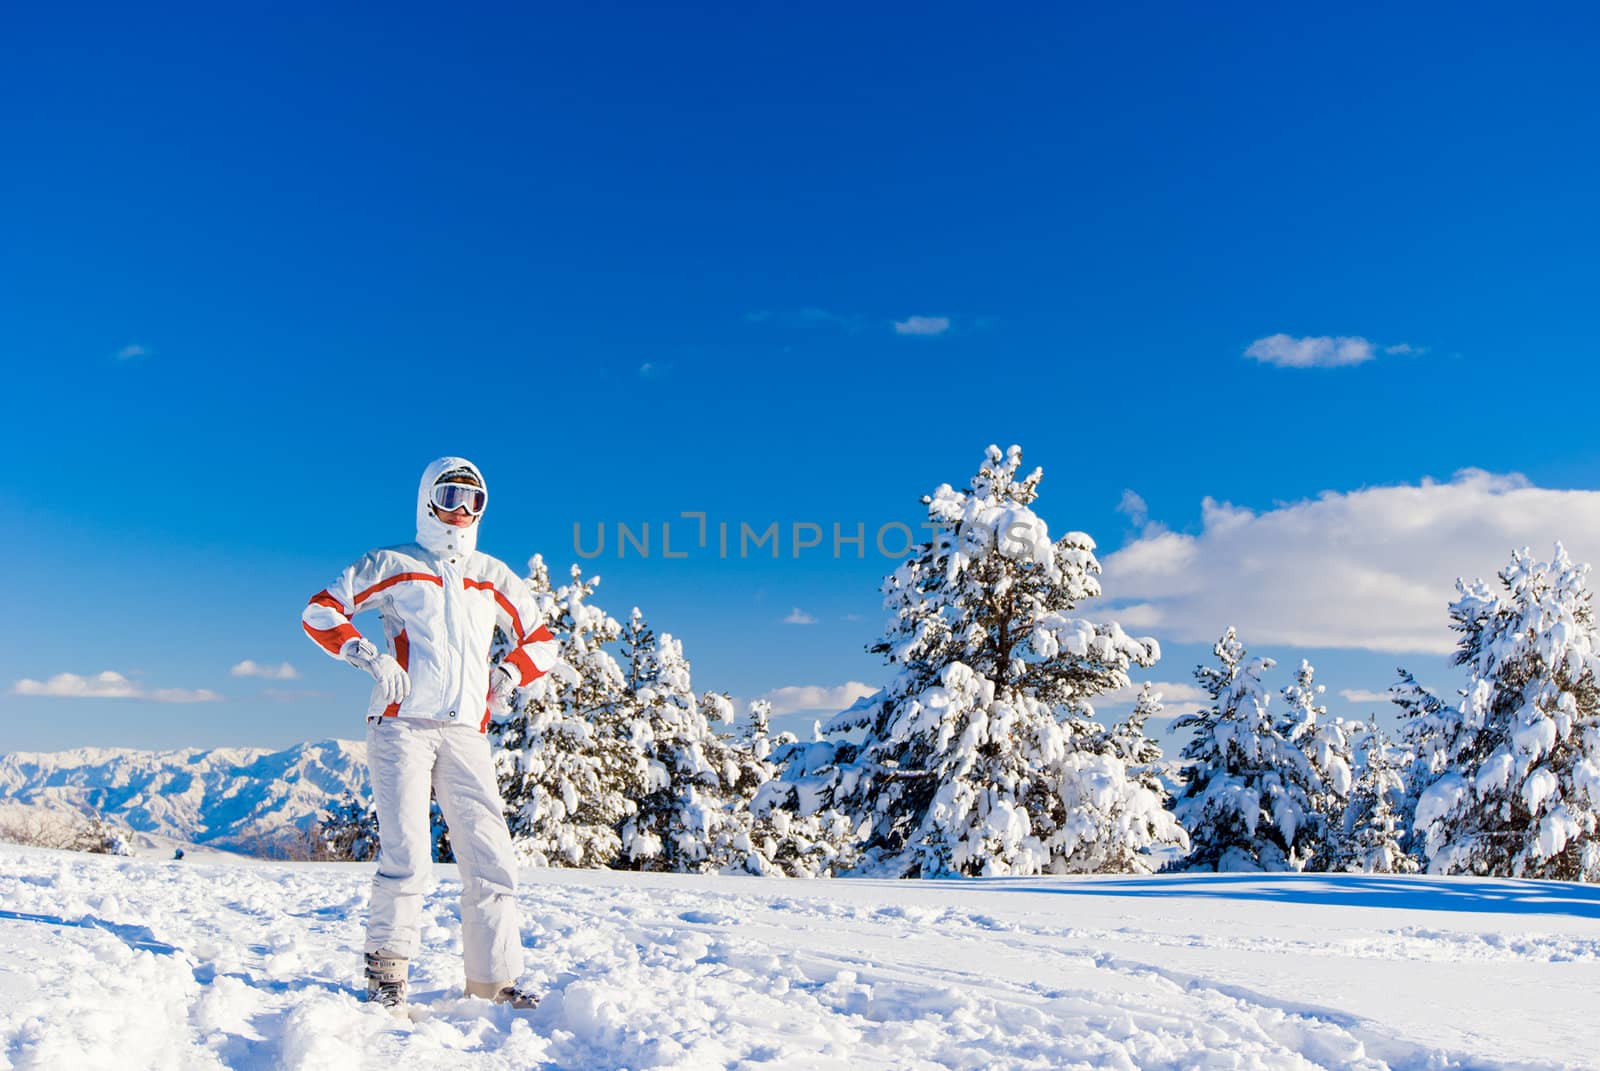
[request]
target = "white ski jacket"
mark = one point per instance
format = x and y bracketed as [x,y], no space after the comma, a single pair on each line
[440,601]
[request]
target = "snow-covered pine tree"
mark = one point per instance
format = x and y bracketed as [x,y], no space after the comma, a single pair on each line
[683,821]
[1430,729]
[104,837]
[567,764]
[1325,743]
[980,757]
[1374,835]
[347,829]
[442,851]
[1127,753]
[1129,741]
[1520,794]
[1244,802]
[783,837]
[756,736]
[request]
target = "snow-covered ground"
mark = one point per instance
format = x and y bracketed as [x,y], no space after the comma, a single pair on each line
[129,963]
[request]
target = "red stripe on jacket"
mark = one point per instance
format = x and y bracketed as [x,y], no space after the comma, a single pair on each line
[505,604]
[398,578]
[326,598]
[523,661]
[331,639]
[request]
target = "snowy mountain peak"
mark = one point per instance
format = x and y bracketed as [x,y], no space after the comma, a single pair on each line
[248,799]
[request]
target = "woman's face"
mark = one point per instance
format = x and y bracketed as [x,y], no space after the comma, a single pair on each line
[456,518]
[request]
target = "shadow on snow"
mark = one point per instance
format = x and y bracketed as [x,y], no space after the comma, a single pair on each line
[134,936]
[1416,893]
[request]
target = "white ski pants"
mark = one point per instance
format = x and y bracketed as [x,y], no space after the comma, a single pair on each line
[405,758]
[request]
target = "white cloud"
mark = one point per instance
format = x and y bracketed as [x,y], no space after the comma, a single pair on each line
[283,672]
[922,325]
[1318,351]
[181,695]
[798,616]
[1371,569]
[133,352]
[108,685]
[803,697]
[1134,508]
[1363,695]
[1177,697]
[655,369]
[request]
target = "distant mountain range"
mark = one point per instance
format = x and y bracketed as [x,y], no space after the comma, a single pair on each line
[242,799]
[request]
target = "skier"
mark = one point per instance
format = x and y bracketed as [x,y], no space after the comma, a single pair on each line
[435,690]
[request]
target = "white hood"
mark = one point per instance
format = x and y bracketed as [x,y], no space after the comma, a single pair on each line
[434,534]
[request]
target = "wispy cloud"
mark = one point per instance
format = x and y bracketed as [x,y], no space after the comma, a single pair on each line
[283,672]
[1134,508]
[1319,351]
[181,695]
[922,325]
[108,685]
[1363,695]
[798,616]
[1177,697]
[132,352]
[1372,569]
[807,697]
[655,369]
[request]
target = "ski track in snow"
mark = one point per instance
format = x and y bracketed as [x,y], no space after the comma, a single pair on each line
[128,963]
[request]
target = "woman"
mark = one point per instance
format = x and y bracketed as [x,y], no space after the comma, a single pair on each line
[440,601]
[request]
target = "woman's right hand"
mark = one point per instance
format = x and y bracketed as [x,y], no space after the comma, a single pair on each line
[394,684]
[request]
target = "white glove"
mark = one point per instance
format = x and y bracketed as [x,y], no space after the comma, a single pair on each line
[502,687]
[394,684]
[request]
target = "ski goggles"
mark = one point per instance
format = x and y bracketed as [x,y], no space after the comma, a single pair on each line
[450,497]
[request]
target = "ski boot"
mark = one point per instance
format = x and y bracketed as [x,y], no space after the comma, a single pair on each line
[386,982]
[504,993]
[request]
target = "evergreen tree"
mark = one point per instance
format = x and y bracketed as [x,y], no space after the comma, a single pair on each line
[1129,742]
[783,836]
[757,734]
[568,768]
[440,829]
[1516,778]
[1245,802]
[104,837]
[347,829]
[1373,838]
[980,756]
[1430,729]
[683,821]
[1327,781]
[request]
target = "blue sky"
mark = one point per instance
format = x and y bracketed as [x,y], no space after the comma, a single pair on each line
[261,267]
